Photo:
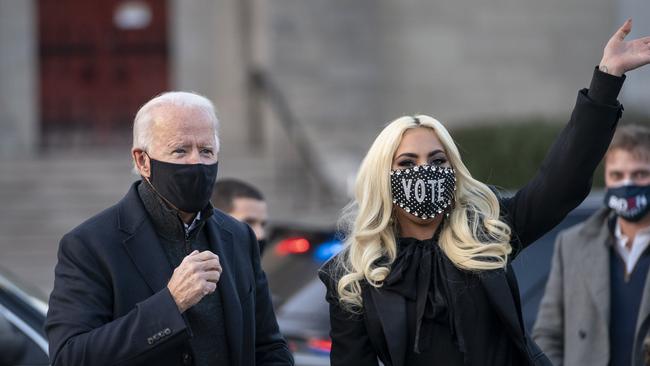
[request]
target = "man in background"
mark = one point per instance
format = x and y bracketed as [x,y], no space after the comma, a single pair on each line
[596,309]
[245,203]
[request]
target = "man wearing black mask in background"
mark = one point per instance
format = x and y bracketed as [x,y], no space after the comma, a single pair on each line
[161,278]
[245,203]
[596,309]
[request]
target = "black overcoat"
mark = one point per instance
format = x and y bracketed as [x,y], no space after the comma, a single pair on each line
[111,306]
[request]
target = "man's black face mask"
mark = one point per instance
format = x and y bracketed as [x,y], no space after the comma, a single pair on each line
[187,187]
[262,245]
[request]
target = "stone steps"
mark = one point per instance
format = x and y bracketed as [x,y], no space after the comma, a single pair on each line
[45,197]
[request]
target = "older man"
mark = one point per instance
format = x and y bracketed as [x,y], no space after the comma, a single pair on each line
[162,278]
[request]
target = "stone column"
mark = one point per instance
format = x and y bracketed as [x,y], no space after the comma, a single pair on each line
[206,57]
[19,102]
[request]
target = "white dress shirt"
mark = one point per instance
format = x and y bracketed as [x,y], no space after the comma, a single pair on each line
[631,256]
[195,222]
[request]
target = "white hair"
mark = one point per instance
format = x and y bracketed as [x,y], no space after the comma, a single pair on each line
[142,122]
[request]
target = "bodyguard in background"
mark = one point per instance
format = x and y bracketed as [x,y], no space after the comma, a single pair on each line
[245,203]
[596,309]
[162,278]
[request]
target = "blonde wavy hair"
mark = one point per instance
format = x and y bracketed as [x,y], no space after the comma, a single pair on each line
[473,237]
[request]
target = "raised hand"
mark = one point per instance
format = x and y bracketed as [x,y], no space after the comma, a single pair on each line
[195,278]
[621,56]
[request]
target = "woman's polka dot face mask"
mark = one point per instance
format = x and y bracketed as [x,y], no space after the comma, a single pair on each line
[424,191]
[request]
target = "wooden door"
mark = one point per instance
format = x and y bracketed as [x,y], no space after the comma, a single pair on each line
[99,61]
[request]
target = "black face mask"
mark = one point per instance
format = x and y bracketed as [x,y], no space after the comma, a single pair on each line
[630,202]
[262,244]
[187,187]
[424,191]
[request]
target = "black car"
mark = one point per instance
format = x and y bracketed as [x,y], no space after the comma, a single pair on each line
[22,315]
[532,266]
[303,313]
[291,263]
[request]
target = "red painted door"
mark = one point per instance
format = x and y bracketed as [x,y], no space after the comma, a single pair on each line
[100,60]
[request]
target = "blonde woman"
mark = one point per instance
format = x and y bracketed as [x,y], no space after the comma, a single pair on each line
[425,276]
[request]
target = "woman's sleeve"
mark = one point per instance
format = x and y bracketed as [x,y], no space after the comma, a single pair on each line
[350,343]
[564,178]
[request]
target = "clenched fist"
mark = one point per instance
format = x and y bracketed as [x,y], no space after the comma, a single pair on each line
[194,278]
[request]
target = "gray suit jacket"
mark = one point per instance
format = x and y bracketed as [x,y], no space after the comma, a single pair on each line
[572,326]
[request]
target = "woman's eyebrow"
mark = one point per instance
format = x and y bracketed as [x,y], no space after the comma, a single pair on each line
[436,152]
[408,155]
[413,155]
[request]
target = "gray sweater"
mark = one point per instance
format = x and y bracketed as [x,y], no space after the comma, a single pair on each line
[205,319]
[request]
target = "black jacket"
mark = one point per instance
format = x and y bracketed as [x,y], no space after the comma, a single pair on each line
[562,182]
[111,306]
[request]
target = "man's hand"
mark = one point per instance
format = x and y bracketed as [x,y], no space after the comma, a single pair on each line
[621,56]
[194,278]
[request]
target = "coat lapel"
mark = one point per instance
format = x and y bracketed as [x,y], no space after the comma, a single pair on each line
[643,320]
[221,241]
[594,269]
[145,250]
[391,310]
[501,297]
[142,243]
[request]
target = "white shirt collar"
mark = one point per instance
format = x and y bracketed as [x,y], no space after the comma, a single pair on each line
[639,245]
[194,223]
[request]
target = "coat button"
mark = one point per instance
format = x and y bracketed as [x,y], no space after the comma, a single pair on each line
[582,334]
[187,359]
[167,331]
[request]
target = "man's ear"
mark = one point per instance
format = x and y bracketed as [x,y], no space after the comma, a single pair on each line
[142,162]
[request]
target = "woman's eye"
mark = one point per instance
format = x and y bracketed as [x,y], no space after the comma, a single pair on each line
[406,163]
[439,161]
[206,152]
[178,151]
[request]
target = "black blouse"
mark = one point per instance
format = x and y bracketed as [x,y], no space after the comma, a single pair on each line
[447,309]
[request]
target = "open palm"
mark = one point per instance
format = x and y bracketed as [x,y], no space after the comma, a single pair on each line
[621,56]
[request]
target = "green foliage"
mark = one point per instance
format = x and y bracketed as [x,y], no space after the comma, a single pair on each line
[508,154]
